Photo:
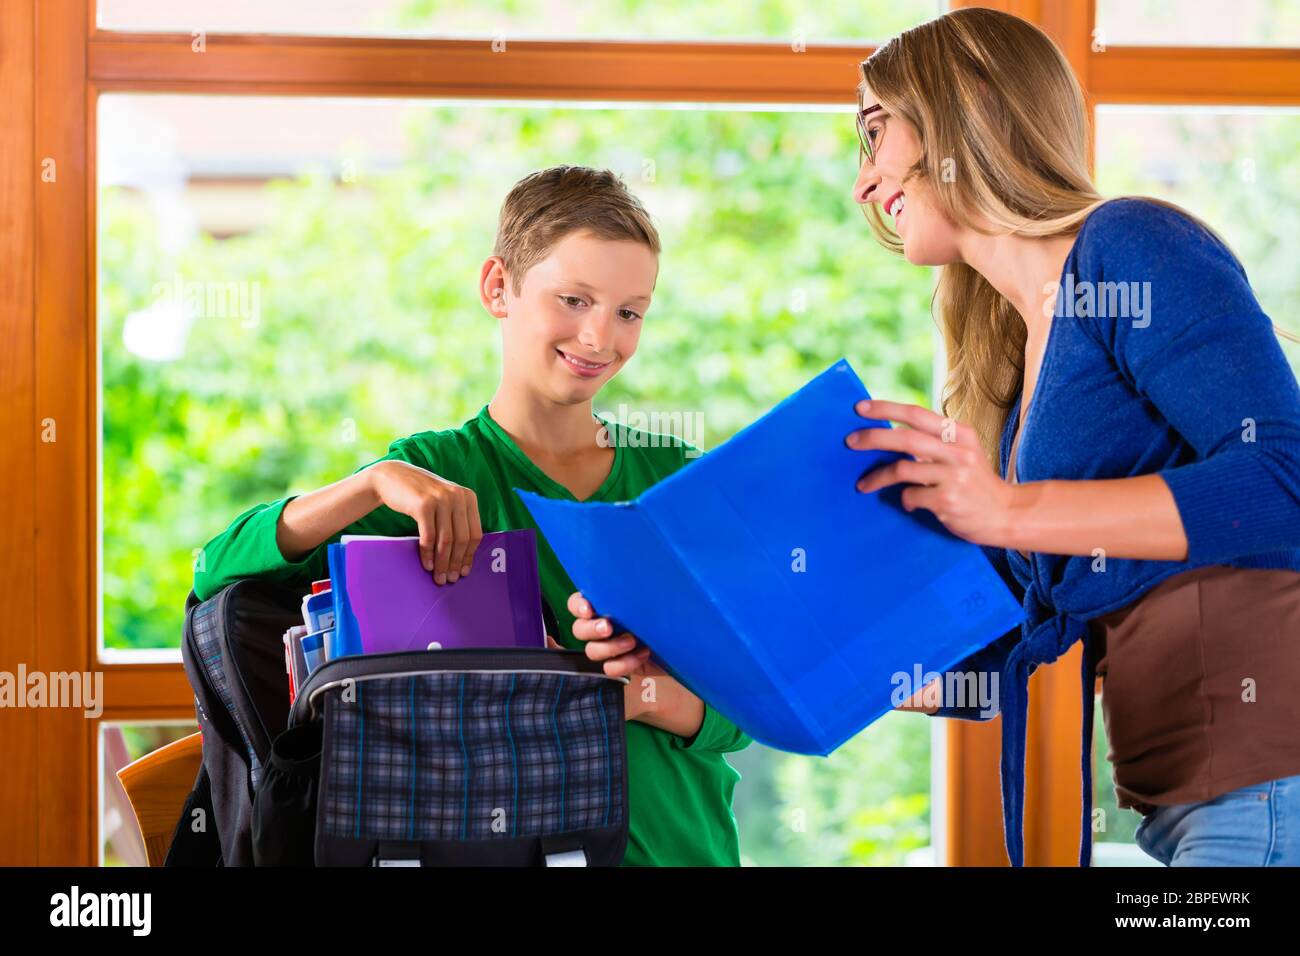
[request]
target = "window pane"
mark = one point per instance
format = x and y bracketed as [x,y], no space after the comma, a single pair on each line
[1199,22]
[867,804]
[119,745]
[1237,169]
[791,20]
[266,263]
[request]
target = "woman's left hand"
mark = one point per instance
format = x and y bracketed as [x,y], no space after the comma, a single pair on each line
[948,473]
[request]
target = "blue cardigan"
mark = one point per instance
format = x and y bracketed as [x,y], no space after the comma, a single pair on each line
[1160,361]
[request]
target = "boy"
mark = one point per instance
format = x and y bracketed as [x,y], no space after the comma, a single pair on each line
[569,280]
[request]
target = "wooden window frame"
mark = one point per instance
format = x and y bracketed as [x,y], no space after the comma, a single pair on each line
[53,65]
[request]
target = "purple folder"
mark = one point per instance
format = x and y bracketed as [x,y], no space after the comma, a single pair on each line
[398,607]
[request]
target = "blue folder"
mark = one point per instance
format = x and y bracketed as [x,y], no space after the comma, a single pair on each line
[347,633]
[771,587]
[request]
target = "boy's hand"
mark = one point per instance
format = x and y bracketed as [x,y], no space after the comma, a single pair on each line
[623,654]
[445,513]
[650,696]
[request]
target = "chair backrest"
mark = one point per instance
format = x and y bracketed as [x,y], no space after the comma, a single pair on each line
[157,785]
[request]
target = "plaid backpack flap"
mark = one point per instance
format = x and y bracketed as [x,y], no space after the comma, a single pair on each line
[469,757]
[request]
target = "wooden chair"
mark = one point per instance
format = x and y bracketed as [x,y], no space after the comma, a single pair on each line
[157,785]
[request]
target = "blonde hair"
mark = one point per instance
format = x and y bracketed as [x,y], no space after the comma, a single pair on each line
[992,97]
[545,206]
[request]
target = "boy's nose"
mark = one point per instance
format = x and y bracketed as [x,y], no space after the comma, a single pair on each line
[597,330]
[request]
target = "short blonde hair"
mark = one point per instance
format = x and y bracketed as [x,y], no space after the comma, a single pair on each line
[549,204]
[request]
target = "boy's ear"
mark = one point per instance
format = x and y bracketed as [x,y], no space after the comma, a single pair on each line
[492,286]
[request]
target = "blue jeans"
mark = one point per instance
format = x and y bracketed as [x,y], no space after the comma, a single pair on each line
[1257,825]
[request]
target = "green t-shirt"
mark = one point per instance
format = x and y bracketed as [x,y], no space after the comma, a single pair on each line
[679,790]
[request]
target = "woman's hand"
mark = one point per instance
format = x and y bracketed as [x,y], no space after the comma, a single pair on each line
[445,513]
[948,472]
[922,701]
[651,696]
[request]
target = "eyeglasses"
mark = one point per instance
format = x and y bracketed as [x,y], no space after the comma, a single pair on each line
[869,146]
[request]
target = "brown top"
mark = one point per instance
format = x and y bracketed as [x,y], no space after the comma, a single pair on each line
[1201,685]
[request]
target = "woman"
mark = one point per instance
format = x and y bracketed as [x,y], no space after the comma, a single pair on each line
[1151,499]
[1150,505]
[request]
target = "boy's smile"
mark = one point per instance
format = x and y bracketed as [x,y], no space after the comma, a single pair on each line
[580,367]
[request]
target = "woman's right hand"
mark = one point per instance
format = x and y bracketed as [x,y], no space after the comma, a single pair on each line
[917,702]
[445,513]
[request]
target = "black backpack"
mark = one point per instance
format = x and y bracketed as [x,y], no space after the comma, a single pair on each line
[234,660]
[447,757]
